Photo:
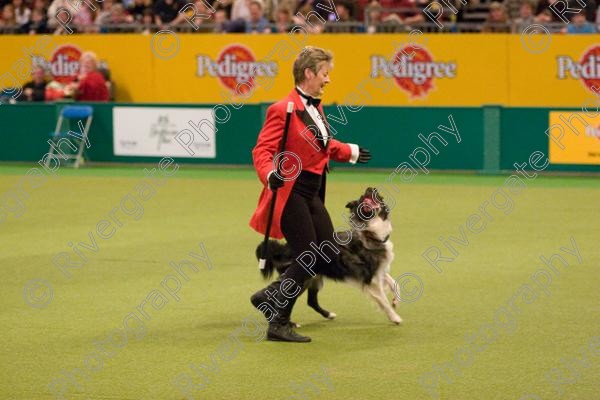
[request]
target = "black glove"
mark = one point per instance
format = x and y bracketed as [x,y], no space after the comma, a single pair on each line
[275,181]
[364,155]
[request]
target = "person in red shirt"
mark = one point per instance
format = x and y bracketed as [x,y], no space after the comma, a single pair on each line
[91,85]
[299,215]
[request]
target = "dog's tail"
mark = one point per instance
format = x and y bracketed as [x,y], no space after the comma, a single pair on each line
[280,258]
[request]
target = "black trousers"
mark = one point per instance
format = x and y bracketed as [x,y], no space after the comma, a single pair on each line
[304,221]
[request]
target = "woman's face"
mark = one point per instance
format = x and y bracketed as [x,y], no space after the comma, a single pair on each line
[38,74]
[497,13]
[87,65]
[17,3]
[220,16]
[283,17]
[315,83]
[374,15]
[39,5]
[37,16]
[526,11]
[7,12]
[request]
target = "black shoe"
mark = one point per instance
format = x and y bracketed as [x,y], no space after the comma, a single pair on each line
[284,333]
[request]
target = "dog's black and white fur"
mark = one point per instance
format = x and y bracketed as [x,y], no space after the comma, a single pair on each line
[366,253]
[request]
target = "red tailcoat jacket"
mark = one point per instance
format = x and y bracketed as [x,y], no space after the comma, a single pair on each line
[300,141]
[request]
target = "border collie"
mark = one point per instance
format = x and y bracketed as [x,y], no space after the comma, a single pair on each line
[366,253]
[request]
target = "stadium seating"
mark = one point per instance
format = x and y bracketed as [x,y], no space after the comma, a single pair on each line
[149,16]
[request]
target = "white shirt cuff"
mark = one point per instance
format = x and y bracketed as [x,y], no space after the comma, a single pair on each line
[354,156]
[268,175]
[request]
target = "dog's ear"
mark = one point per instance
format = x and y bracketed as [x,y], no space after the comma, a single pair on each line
[352,204]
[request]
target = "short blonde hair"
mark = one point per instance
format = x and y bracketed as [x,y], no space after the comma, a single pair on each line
[310,57]
[89,54]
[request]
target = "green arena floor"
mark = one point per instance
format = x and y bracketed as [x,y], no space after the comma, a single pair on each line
[492,322]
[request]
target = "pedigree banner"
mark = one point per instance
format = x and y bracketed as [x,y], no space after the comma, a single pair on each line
[561,76]
[575,139]
[387,69]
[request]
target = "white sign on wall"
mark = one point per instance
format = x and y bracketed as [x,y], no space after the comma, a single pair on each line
[151,131]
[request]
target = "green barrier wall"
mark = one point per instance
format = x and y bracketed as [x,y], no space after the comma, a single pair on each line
[492,138]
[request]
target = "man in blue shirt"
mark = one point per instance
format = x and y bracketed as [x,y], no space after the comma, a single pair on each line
[257,22]
[579,25]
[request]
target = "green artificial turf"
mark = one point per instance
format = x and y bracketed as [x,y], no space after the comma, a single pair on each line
[209,334]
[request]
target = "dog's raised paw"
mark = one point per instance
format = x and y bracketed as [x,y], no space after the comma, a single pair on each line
[396,319]
[332,315]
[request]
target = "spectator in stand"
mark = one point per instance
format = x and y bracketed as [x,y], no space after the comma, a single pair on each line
[119,16]
[165,11]
[525,18]
[257,23]
[136,10]
[545,15]
[385,5]
[53,9]
[220,20]
[321,7]
[40,5]
[200,9]
[127,4]
[345,19]
[589,10]
[374,18]
[91,85]
[316,26]
[105,13]
[22,12]
[513,8]
[416,16]
[446,19]
[240,10]
[83,19]
[147,21]
[37,24]
[283,20]
[224,5]
[7,18]
[35,89]
[497,20]
[271,13]
[579,25]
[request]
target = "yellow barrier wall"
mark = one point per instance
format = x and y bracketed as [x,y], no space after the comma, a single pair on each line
[448,69]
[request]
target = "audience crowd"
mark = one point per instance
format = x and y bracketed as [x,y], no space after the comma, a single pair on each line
[273,16]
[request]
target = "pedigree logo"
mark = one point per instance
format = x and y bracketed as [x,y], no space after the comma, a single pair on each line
[236,67]
[415,75]
[64,63]
[587,69]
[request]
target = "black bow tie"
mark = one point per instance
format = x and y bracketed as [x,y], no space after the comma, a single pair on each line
[309,99]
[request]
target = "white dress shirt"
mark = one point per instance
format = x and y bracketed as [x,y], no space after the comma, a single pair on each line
[316,116]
